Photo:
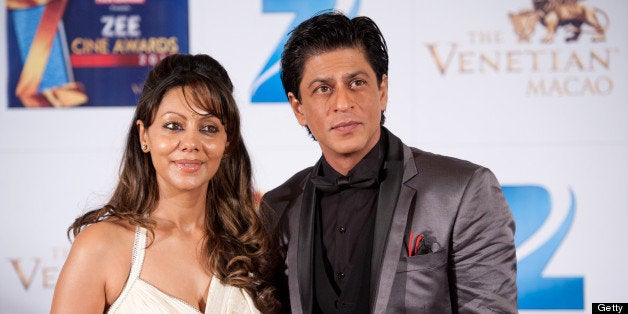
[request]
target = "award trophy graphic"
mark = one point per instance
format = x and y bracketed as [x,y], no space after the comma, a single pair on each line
[46,78]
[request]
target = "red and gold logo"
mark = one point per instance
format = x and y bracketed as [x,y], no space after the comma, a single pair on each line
[559,13]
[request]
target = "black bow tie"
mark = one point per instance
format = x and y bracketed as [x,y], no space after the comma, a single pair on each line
[342,183]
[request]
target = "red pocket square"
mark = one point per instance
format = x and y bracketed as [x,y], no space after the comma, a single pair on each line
[414,243]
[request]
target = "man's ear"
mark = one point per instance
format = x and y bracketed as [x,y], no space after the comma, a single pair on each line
[383,93]
[297,109]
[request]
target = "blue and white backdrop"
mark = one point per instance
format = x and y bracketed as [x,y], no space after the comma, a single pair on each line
[469,79]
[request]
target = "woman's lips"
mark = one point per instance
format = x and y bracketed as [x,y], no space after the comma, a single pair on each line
[188,165]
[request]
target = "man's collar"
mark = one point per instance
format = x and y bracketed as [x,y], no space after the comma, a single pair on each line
[369,166]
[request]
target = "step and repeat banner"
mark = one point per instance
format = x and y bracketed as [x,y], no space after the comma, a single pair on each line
[544,104]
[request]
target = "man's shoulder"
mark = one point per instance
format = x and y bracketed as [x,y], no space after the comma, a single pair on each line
[432,162]
[445,174]
[428,161]
[289,189]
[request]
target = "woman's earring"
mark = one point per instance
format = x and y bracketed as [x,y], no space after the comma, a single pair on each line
[144,147]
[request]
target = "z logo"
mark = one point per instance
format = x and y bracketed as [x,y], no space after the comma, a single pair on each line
[541,228]
[267,85]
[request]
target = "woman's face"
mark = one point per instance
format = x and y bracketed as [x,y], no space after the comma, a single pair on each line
[185,147]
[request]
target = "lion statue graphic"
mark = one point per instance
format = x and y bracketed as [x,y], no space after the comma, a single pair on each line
[554,13]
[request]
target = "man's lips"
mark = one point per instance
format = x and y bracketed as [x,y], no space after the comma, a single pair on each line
[187,165]
[345,126]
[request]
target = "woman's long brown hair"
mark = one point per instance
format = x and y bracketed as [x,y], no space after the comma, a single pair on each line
[239,249]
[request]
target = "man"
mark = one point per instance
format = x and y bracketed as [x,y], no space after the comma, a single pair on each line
[377,226]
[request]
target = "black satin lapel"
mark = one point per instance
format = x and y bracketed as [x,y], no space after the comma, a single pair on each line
[387,200]
[306,235]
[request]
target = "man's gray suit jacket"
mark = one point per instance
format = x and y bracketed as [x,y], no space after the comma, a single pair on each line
[458,207]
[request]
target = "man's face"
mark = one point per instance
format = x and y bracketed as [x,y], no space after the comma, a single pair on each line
[341,103]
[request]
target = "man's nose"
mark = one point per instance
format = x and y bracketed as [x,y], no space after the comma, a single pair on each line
[343,99]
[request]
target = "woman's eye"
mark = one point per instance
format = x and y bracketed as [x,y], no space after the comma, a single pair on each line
[173,126]
[210,129]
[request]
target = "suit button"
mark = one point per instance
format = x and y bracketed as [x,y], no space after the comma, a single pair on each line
[342,229]
[340,275]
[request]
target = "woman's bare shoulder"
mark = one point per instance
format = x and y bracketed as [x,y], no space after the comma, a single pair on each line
[103,232]
[106,237]
[96,267]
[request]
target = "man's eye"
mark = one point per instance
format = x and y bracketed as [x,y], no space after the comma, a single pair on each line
[359,82]
[323,89]
[173,126]
[210,129]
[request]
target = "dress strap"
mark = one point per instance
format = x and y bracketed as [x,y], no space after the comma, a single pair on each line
[137,260]
[139,248]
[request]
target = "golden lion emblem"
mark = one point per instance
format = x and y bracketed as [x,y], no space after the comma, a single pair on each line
[554,13]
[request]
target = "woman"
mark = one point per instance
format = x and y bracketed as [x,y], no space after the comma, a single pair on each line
[180,233]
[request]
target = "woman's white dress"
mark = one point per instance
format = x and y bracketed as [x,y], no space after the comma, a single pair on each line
[139,296]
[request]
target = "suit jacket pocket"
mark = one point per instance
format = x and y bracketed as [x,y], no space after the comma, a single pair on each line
[427,261]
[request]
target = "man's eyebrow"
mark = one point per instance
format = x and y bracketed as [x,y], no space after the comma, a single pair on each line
[319,80]
[354,74]
[326,79]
